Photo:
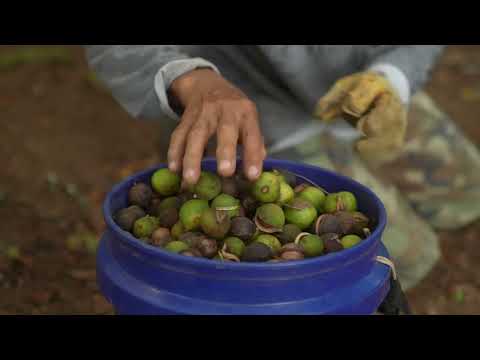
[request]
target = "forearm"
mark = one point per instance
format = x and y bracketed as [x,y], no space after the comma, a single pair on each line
[139,76]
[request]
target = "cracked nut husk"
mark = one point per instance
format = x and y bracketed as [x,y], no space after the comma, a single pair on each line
[140,194]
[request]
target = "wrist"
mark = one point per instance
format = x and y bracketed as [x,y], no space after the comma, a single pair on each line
[396,78]
[184,87]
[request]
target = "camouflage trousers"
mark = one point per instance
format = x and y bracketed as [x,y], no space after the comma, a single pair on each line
[434,184]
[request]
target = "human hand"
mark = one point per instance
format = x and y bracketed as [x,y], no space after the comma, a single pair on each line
[214,106]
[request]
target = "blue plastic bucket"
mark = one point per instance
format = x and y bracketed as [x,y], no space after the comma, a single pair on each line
[140,279]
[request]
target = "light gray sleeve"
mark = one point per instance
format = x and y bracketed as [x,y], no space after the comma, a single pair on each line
[139,75]
[415,61]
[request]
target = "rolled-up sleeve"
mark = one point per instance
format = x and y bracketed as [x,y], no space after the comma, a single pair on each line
[139,76]
[407,66]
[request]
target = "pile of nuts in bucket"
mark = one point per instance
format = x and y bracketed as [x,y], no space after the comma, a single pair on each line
[273,219]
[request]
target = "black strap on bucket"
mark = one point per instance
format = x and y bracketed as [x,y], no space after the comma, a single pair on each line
[395,302]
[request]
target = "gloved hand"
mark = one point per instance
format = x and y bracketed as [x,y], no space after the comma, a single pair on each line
[371,105]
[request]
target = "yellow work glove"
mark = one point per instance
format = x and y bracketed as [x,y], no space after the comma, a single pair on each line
[371,105]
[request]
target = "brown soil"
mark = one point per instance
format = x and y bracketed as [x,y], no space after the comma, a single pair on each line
[64,142]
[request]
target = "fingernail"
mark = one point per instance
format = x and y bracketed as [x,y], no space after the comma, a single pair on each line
[189,174]
[253,171]
[225,165]
[172,166]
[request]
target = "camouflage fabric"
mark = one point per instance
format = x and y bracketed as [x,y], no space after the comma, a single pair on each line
[438,170]
[433,184]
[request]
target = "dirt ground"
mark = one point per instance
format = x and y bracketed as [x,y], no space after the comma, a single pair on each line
[64,142]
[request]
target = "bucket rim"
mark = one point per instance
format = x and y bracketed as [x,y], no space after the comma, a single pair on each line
[342,256]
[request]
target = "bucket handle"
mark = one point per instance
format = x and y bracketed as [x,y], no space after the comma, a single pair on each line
[395,302]
[389,263]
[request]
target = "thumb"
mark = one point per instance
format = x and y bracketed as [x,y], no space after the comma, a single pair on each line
[330,106]
[368,88]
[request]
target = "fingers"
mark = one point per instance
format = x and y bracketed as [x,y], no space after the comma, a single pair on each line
[385,129]
[196,142]
[388,116]
[232,124]
[178,140]
[227,141]
[253,149]
[330,106]
[363,94]
[378,151]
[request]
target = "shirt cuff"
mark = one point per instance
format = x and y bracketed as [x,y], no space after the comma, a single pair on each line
[397,79]
[171,71]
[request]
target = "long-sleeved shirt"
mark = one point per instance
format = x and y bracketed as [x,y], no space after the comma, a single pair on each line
[285,81]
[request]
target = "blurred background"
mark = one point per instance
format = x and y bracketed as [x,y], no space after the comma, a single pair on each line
[64,142]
